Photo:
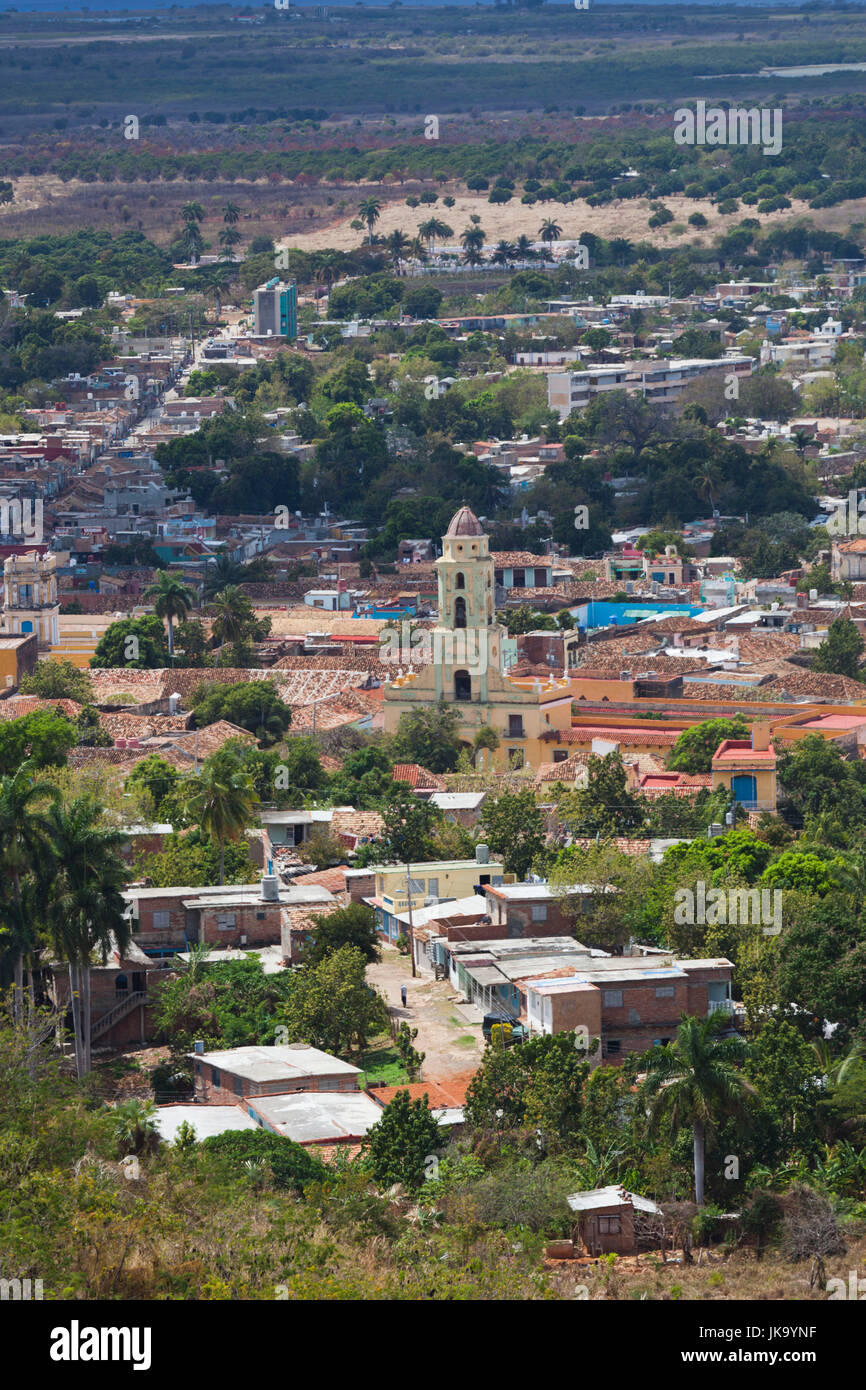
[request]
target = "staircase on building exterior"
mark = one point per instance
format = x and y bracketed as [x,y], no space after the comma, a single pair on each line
[125,1006]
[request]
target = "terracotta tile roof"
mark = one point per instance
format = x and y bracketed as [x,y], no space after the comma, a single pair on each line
[644,640]
[572,769]
[332,713]
[19,705]
[349,660]
[333,879]
[649,738]
[417,777]
[797,680]
[449,1093]
[644,667]
[210,739]
[351,826]
[623,844]
[329,1153]
[508,559]
[761,645]
[654,785]
[727,692]
[676,623]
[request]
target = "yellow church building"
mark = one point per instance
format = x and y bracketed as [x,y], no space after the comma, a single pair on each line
[466,671]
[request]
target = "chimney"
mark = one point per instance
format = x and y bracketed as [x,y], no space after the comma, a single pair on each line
[761,736]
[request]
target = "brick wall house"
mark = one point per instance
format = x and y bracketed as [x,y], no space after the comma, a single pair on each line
[246,1073]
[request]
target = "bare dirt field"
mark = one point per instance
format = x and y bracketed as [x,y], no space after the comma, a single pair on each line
[507,221]
[315,218]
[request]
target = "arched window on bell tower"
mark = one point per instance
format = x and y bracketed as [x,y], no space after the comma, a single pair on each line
[459,581]
[460,612]
[462,685]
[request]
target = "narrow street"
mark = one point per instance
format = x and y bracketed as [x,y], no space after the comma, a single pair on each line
[452,1045]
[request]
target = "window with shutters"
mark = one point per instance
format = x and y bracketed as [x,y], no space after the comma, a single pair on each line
[609,1226]
[612,998]
[161,921]
[225,921]
[665,992]
[539,913]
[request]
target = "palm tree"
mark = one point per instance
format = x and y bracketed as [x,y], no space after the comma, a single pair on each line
[550,231]
[197,960]
[472,240]
[231,616]
[192,212]
[221,573]
[431,229]
[523,248]
[172,599]
[328,272]
[220,280]
[192,240]
[369,212]
[503,253]
[397,245]
[695,1081]
[25,837]
[87,910]
[706,480]
[231,214]
[417,249]
[222,800]
[135,1130]
[228,239]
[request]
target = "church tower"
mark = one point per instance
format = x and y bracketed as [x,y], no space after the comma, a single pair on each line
[30,596]
[467,638]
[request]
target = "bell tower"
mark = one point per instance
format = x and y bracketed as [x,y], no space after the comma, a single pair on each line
[468,639]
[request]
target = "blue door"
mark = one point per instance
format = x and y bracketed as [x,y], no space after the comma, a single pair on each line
[745,789]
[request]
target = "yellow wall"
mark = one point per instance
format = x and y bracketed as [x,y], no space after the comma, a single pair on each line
[454,880]
[80,634]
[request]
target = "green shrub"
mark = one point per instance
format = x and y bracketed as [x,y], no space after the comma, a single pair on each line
[290,1165]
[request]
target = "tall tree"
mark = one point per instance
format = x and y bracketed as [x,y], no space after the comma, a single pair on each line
[696,1081]
[550,231]
[407,835]
[25,845]
[171,599]
[87,910]
[841,651]
[513,826]
[222,800]
[370,212]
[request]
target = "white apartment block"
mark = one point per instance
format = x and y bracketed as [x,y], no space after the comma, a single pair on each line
[661,380]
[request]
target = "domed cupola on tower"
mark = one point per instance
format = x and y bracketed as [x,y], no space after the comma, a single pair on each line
[465,572]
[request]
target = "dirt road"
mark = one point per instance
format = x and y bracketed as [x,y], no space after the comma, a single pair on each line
[451,1044]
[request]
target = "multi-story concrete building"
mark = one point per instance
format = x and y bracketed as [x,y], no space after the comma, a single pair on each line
[660,380]
[275,310]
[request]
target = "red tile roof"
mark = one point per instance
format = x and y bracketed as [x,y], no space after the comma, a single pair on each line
[417,777]
[649,738]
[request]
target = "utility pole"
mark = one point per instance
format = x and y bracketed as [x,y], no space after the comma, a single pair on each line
[411,923]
